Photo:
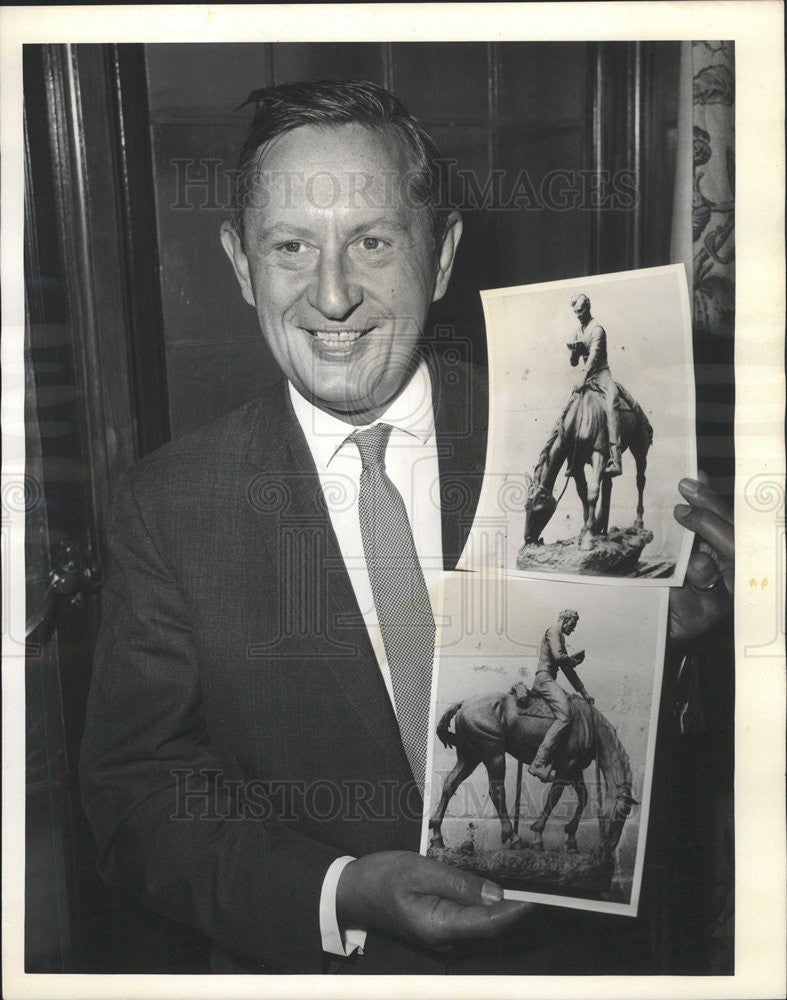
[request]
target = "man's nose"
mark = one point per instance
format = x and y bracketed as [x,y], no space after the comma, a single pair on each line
[333,292]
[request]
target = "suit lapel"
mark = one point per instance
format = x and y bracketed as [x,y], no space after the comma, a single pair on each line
[285,472]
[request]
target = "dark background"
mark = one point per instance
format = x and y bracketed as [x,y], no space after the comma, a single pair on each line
[489,107]
[137,332]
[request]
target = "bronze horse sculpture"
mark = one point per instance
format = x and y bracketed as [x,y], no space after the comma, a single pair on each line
[580,438]
[488,726]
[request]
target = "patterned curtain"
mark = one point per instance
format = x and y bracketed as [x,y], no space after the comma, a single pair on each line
[713,194]
[704,240]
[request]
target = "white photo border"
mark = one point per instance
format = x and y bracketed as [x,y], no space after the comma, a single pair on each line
[756,26]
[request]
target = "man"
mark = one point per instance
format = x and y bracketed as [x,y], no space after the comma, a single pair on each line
[248,735]
[590,343]
[552,656]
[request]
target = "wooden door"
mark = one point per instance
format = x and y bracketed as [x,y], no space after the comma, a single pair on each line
[95,402]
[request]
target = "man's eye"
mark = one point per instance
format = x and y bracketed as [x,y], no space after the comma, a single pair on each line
[291,246]
[372,244]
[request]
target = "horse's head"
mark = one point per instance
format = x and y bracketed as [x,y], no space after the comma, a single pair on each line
[616,768]
[539,508]
[621,807]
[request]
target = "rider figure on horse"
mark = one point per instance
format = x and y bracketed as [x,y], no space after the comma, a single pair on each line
[591,343]
[551,656]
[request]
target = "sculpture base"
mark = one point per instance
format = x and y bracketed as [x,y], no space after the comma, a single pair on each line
[618,552]
[524,869]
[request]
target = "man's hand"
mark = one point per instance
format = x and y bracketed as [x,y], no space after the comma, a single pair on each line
[426,901]
[705,598]
[588,699]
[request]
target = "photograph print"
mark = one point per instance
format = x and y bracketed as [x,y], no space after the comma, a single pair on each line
[205,627]
[592,428]
[545,710]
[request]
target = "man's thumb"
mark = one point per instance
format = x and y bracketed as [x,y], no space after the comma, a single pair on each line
[490,893]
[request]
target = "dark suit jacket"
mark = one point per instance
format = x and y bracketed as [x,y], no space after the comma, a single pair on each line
[239,735]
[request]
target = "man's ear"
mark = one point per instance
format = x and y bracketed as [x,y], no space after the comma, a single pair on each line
[240,262]
[445,261]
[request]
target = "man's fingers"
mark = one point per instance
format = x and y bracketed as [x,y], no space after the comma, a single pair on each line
[709,526]
[423,899]
[453,884]
[702,603]
[463,905]
[702,571]
[462,923]
[693,613]
[700,495]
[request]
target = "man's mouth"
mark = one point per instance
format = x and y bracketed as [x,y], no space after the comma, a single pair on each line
[336,338]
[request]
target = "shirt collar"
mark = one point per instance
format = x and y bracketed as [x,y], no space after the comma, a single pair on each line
[411,412]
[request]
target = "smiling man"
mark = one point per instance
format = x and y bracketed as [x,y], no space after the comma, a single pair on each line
[341,264]
[254,750]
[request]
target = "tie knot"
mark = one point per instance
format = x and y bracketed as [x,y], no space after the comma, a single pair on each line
[372,444]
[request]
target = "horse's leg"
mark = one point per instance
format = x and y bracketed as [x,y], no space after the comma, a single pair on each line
[602,521]
[581,484]
[463,768]
[496,767]
[641,458]
[573,824]
[594,487]
[555,791]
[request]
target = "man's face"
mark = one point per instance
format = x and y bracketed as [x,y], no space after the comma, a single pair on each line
[569,624]
[340,268]
[581,311]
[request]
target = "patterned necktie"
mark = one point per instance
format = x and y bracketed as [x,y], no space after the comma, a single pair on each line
[400,596]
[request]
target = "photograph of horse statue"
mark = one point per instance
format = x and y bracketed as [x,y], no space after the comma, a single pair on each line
[545,711]
[578,440]
[486,727]
[593,428]
[600,422]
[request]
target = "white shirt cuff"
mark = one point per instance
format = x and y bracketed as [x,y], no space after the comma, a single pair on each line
[333,940]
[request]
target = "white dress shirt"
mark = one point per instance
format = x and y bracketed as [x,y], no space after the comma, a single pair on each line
[411,463]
